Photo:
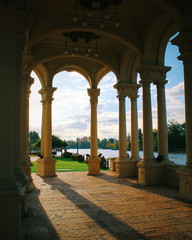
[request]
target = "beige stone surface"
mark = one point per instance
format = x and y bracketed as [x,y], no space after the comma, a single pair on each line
[74,205]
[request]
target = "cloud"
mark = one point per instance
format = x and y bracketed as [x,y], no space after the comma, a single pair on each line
[175,95]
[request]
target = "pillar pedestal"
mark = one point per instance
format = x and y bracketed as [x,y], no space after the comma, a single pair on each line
[151,173]
[185,183]
[126,168]
[46,167]
[10,212]
[94,166]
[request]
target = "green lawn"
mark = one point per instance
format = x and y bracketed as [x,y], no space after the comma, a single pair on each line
[65,165]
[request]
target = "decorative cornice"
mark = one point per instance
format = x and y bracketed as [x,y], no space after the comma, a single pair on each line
[184,42]
[152,73]
[47,94]
[126,89]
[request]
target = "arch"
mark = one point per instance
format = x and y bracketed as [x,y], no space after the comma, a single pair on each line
[170,31]
[127,68]
[59,56]
[101,73]
[158,35]
[58,29]
[42,73]
[74,67]
[171,9]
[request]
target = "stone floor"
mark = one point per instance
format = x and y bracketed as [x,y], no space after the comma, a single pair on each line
[76,206]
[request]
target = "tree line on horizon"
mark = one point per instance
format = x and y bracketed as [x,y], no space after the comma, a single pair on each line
[176,140]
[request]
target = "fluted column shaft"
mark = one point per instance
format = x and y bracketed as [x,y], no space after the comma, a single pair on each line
[162,119]
[188,109]
[94,161]
[122,129]
[147,121]
[134,128]
[18,170]
[184,41]
[11,192]
[7,95]
[27,81]
[47,99]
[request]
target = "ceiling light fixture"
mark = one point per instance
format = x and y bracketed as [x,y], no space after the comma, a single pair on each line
[102,6]
[82,42]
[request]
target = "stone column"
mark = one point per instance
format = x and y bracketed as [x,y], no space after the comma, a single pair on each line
[147,122]
[94,160]
[122,162]
[184,41]
[149,171]
[162,119]
[11,192]
[134,129]
[27,81]
[18,171]
[46,165]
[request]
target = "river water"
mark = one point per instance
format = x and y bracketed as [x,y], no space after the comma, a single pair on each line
[178,158]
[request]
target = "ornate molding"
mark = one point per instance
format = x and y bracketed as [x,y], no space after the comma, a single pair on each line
[47,94]
[27,61]
[126,89]
[152,73]
[184,42]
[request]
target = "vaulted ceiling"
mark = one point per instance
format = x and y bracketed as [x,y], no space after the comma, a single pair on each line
[144,30]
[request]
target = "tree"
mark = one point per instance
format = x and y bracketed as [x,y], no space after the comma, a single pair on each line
[103,143]
[84,144]
[140,135]
[33,138]
[155,140]
[128,142]
[72,144]
[176,136]
[58,143]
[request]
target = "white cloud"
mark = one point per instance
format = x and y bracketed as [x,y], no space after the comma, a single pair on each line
[71,107]
[175,95]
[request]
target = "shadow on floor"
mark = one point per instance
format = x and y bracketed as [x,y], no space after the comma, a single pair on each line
[102,218]
[37,225]
[162,190]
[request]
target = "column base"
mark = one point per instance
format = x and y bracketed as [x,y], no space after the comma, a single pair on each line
[10,212]
[46,167]
[21,177]
[126,167]
[151,173]
[94,166]
[112,163]
[185,183]
[27,170]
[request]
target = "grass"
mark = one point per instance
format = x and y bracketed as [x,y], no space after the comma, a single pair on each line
[66,164]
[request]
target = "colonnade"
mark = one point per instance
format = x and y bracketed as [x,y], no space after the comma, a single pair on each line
[125,166]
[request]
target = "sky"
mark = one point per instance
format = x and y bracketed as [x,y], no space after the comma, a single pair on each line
[71,106]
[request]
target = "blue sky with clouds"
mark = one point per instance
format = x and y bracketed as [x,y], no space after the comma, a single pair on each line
[71,106]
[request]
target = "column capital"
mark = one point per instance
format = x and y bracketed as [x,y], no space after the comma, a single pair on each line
[133,97]
[93,93]
[184,42]
[47,93]
[27,61]
[152,73]
[160,82]
[126,89]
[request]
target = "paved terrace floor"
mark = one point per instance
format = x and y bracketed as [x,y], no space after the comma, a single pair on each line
[80,207]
